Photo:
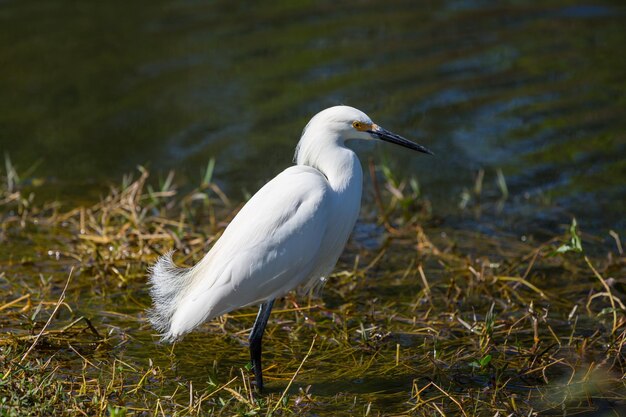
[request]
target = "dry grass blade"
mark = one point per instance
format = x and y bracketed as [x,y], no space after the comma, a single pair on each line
[12,303]
[608,291]
[523,282]
[278,403]
[454,400]
[56,308]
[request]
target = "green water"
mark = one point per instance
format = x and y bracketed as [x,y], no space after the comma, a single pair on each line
[538,90]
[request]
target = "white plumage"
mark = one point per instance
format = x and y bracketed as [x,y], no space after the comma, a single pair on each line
[290,233]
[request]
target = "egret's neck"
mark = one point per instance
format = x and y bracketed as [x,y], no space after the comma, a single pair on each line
[329,155]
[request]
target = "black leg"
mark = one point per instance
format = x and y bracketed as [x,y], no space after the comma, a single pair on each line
[255,339]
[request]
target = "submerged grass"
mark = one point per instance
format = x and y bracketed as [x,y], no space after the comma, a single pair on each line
[417,319]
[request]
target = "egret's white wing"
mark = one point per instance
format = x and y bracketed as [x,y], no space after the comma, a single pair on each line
[269,248]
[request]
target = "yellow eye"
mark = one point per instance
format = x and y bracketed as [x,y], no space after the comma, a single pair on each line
[361,126]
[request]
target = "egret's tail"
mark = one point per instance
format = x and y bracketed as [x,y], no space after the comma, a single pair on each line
[167,286]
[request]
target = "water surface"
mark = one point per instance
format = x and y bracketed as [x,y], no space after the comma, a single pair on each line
[91,89]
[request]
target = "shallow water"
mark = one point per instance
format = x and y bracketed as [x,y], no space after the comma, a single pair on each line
[348,372]
[90,90]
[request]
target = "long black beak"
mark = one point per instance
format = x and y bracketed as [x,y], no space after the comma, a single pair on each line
[387,136]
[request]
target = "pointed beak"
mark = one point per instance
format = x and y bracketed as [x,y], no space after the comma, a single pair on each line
[383,134]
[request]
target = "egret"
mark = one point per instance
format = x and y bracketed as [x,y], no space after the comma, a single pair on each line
[290,233]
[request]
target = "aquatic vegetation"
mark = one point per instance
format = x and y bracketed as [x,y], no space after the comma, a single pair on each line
[428,320]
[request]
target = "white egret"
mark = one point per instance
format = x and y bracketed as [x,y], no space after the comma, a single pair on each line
[290,233]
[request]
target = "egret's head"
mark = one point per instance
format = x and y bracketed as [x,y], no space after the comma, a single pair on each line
[350,123]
